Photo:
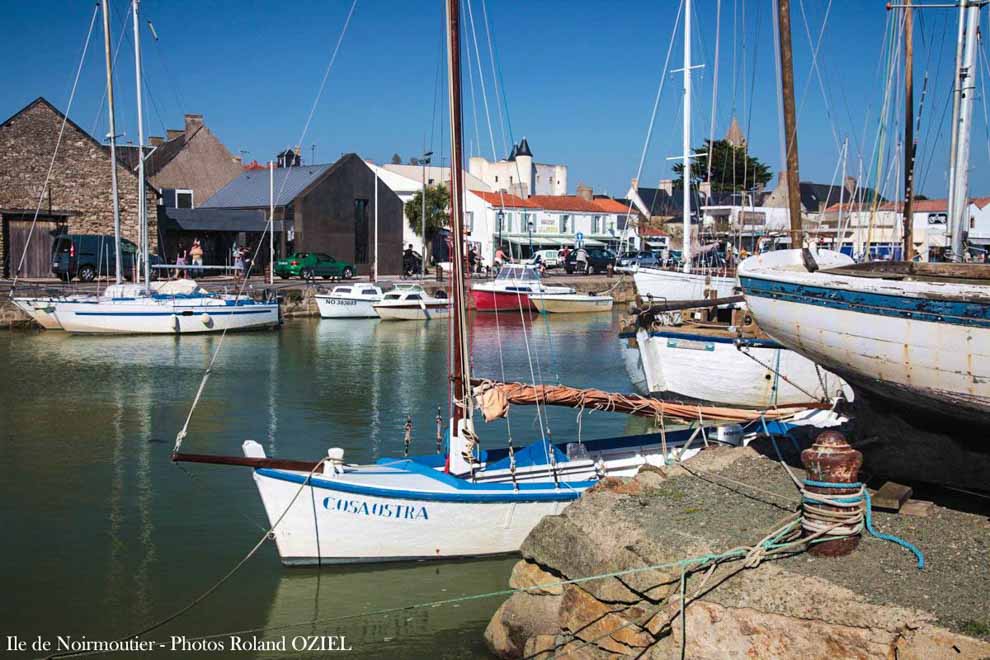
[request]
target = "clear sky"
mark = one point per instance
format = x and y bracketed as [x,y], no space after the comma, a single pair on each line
[579,79]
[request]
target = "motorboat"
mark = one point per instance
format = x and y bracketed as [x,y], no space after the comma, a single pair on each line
[411,303]
[511,288]
[352,301]
[570,303]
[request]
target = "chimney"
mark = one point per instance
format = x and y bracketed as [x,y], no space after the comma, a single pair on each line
[237,159]
[156,140]
[193,124]
[585,192]
[667,185]
[850,186]
[173,133]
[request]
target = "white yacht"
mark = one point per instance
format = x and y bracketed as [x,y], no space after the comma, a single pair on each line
[352,301]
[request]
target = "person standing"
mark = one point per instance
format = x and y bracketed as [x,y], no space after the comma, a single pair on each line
[180,260]
[196,253]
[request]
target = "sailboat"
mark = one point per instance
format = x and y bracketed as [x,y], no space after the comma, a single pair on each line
[916,334]
[165,308]
[689,283]
[462,501]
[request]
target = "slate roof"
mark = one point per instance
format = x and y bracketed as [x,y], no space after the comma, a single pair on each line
[213,219]
[250,189]
[523,149]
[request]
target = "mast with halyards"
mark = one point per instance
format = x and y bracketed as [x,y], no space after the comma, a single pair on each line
[907,252]
[686,141]
[790,120]
[965,91]
[462,437]
[141,198]
[113,137]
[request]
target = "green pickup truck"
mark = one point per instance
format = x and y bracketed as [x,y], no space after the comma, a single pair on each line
[309,265]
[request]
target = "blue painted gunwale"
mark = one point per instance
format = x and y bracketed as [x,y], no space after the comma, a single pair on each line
[671,334]
[179,310]
[915,308]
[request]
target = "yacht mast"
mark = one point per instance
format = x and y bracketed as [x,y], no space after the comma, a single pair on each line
[141,197]
[113,137]
[907,253]
[790,119]
[965,91]
[461,429]
[686,140]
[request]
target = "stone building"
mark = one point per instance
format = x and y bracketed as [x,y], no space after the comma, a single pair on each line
[78,196]
[519,174]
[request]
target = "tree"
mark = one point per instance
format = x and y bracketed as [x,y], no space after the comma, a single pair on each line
[413,160]
[396,159]
[733,169]
[437,211]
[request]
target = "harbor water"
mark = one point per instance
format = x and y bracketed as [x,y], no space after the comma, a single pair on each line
[105,535]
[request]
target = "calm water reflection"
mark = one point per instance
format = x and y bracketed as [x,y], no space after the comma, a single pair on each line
[103,533]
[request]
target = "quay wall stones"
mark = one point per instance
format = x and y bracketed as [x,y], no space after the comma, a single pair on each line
[874,603]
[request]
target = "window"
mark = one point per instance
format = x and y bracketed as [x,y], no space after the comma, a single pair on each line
[496,178]
[184,199]
[360,231]
[469,220]
[526,219]
[596,224]
[508,222]
[564,223]
[414,296]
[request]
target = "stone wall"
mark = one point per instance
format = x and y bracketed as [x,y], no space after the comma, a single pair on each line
[80,184]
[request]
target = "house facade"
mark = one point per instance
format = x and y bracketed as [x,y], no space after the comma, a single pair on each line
[78,198]
[324,208]
[519,174]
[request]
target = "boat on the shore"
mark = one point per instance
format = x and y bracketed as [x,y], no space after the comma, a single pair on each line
[915,334]
[411,303]
[681,358]
[353,301]
[570,303]
[510,289]
[665,284]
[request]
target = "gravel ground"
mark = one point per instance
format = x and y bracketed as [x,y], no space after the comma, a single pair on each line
[954,586]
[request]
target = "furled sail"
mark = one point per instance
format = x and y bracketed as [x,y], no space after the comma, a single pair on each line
[494,398]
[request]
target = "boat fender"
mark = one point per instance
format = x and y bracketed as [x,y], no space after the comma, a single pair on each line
[335,462]
[206,319]
[175,323]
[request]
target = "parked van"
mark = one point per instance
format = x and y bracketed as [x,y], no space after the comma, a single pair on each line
[88,256]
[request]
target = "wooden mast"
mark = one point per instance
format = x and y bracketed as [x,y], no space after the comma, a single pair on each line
[461,430]
[790,119]
[909,146]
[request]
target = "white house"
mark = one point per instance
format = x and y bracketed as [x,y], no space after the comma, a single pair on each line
[519,174]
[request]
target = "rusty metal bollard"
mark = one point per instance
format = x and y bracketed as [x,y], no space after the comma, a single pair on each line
[832,459]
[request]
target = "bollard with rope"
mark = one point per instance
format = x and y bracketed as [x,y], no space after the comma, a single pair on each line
[407,438]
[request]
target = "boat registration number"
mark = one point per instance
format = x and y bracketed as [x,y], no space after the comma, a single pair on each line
[690,344]
[342,301]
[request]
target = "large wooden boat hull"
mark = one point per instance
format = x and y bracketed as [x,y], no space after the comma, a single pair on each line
[673,364]
[165,317]
[922,344]
[661,284]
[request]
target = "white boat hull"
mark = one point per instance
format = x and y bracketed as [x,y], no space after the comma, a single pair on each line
[684,366]
[570,304]
[333,307]
[410,312]
[40,310]
[675,285]
[918,343]
[164,316]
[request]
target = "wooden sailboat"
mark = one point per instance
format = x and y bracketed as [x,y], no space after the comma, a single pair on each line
[912,333]
[465,501]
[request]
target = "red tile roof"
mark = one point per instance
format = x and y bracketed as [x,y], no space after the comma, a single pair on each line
[611,206]
[565,203]
[651,231]
[506,200]
[919,205]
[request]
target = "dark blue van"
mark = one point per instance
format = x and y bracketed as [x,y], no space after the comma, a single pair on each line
[88,256]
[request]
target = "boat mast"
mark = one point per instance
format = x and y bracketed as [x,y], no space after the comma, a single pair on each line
[790,119]
[113,136]
[909,146]
[141,198]
[965,91]
[462,430]
[686,140]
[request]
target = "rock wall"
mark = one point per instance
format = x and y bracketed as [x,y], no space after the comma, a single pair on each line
[873,604]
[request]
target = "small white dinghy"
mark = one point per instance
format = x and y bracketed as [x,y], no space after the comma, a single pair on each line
[570,303]
[410,302]
[349,302]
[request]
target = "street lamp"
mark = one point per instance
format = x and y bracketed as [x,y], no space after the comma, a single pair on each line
[530,225]
[422,256]
[499,218]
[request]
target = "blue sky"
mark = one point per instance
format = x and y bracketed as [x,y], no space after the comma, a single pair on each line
[579,78]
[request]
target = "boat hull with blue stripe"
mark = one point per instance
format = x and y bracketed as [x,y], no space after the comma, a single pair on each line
[153,313]
[411,509]
[922,342]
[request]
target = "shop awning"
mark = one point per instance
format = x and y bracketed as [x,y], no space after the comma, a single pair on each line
[209,219]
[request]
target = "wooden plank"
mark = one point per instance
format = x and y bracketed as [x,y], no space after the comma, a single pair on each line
[920,508]
[891,496]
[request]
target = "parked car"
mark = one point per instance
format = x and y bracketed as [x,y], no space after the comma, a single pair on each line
[88,256]
[549,258]
[309,265]
[643,259]
[599,259]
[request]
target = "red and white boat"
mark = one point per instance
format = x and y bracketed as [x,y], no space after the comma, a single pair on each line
[511,288]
